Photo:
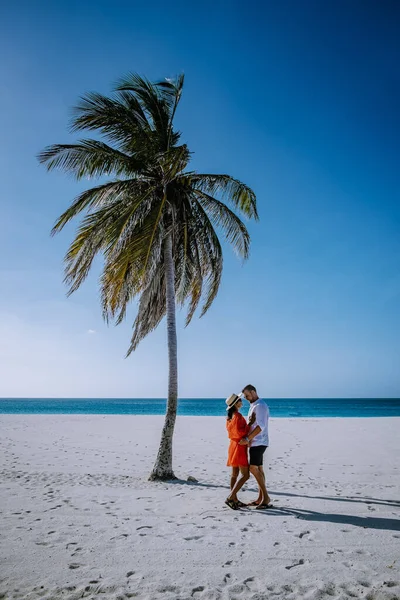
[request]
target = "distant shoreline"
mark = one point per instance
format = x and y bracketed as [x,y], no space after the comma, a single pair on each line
[210,407]
[208,398]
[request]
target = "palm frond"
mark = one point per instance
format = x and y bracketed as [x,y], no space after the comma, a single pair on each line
[152,309]
[172,93]
[88,242]
[89,158]
[107,230]
[107,193]
[120,122]
[152,103]
[136,254]
[174,161]
[212,259]
[234,229]
[231,190]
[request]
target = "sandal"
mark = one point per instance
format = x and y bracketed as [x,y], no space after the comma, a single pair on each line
[241,504]
[264,506]
[232,504]
[254,503]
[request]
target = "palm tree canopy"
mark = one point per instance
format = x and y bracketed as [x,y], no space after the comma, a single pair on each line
[149,193]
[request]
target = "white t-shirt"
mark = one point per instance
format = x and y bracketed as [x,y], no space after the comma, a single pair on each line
[260,407]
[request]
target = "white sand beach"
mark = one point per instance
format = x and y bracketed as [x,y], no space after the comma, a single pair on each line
[80,520]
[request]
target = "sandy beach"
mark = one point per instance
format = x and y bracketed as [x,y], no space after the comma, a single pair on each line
[80,520]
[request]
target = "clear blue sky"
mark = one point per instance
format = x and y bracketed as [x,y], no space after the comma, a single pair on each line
[298,99]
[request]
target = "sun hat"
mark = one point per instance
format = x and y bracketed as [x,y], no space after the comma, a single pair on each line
[231,401]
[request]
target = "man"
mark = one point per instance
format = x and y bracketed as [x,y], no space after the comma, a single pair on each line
[258,442]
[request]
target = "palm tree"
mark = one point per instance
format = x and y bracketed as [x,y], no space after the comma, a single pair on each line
[153,221]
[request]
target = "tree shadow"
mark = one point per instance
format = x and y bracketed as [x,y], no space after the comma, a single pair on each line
[311,515]
[197,484]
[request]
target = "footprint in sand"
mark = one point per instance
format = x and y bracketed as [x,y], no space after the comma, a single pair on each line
[198,589]
[301,562]
[303,533]
[364,583]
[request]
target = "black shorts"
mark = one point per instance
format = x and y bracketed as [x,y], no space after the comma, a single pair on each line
[256,455]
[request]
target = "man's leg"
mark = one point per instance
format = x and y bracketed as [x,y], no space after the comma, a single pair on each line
[265,482]
[261,469]
[259,499]
[255,460]
[263,495]
[256,469]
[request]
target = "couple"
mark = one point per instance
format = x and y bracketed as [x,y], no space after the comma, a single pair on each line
[252,434]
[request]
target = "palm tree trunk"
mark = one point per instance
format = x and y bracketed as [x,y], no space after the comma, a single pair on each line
[162,469]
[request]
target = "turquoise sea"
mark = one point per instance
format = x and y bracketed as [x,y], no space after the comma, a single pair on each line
[287,407]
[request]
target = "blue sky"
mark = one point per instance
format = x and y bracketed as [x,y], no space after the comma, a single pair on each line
[299,100]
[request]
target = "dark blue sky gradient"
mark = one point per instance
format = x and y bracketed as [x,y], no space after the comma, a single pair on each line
[298,99]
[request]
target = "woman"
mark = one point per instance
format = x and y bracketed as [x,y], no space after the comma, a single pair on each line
[238,429]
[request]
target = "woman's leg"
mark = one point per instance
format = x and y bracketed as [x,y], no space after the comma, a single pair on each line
[234,476]
[244,476]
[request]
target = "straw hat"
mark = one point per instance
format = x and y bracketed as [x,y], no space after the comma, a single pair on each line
[231,401]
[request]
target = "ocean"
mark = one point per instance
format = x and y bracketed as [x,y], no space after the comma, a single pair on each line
[279,407]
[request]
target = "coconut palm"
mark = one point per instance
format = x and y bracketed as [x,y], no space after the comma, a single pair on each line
[153,221]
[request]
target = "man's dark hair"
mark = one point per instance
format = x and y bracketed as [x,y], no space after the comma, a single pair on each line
[249,388]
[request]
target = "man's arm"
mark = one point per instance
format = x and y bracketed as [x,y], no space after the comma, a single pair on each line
[252,418]
[246,440]
[255,432]
[262,419]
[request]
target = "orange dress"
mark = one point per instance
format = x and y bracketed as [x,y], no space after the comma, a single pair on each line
[237,429]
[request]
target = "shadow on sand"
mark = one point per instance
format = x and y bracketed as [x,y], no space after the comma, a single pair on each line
[311,515]
[355,499]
